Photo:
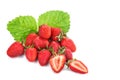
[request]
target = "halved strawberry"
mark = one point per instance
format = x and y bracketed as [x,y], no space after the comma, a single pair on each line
[57,62]
[77,66]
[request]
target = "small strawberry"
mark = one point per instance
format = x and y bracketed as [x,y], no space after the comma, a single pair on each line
[40,43]
[55,32]
[68,54]
[45,31]
[31,54]
[43,57]
[30,38]
[77,66]
[66,42]
[54,45]
[57,62]
[16,49]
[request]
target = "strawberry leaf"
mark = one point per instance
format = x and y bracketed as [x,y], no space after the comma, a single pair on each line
[21,26]
[55,18]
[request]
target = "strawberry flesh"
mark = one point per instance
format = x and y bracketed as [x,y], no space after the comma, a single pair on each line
[78,66]
[57,63]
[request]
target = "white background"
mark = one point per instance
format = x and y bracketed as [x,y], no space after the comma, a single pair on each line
[95,29]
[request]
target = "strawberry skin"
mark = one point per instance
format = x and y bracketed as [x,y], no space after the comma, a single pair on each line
[57,62]
[40,43]
[54,33]
[30,38]
[54,45]
[43,57]
[68,54]
[78,66]
[31,54]
[16,49]
[45,31]
[66,42]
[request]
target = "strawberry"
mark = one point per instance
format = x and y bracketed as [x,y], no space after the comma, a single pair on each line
[66,42]
[68,54]
[55,32]
[45,31]
[31,54]
[43,57]
[40,43]
[30,38]
[16,49]
[77,66]
[54,45]
[57,62]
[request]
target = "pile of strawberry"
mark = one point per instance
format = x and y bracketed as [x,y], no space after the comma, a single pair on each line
[49,45]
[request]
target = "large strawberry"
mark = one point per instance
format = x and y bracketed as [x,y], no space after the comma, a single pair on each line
[16,49]
[40,43]
[55,33]
[68,54]
[30,38]
[54,45]
[45,31]
[31,54]
[43,57]
[66,42]
[57,62]
[77,66]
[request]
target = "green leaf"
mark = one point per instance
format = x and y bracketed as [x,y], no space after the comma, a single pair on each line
[55,18]
[21,26]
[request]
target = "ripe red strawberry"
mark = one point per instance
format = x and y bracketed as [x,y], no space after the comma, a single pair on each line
[78,66]
[16,49]
[57,62]
[45,31]
[66,42]
[30,38]
[40,43]
[68,54]
[54,45]
[43,57]
[31,54]
[55,32]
